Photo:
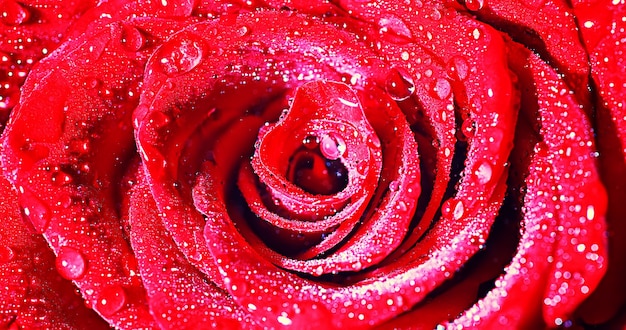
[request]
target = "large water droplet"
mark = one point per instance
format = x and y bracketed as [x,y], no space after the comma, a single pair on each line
[453,207]
[132,39]
[60,178]
[111,300]
[483,173]
[6,254]
[395,26]
[310,142]
[467,128]
[332,146]
[442,88]
[79,146]
[399,85]
[159,119]
[474,5]
[36,211]
[494,139]
[70,263]
[243,30]
[180,55]
[13,13]
[458,68]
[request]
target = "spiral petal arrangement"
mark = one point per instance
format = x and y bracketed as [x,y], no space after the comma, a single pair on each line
[268,164]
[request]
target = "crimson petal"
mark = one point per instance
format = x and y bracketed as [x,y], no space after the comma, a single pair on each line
[65,161]
[603,29]
[563,246]
[33,293]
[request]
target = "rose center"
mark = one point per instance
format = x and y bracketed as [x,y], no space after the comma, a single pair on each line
[315,167]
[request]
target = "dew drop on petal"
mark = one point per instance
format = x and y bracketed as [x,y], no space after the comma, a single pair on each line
[494,138]
[6,254]
[71,263]
[332,146]
[111,300]
[483,173]
[399,85]
[394,25]
[180,55]
[458,68]
[243,30]
[458,210]
[37,212]
[132,39]
[60,178]
[442,88]
[13,13]
[467,128]
[310,142]
[591,212]
[474,5]
[454,208]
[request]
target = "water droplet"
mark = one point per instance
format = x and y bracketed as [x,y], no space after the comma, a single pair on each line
[483,173]
[243,30]
[36,211]
[92,82]
[476,33]
[332,146]
[591,212]
[399,85]
[495,138]
[6,254]
[362,167]
[110,300]
[474,5]
[452,207]
[373,142]
[395,26]
[458,210]
[458,68]
[467,128]
[319,271]
[180,55]
[394,185]
[310,142]
[70,263]
[60,178]
[436,15]
[159,119]
[442,88]
[132,39]
[13,13]
[402,206]
[79,146]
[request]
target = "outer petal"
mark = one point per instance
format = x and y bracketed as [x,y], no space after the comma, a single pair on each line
[32,293]
[65,161]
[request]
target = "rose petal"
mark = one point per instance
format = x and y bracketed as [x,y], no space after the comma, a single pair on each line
[34,295]
[179,296]
[602,28]
[563,245]
[65,160]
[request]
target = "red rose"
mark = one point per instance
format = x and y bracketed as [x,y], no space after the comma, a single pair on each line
[349,164]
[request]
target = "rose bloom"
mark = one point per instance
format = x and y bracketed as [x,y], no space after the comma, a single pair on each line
[262,164]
